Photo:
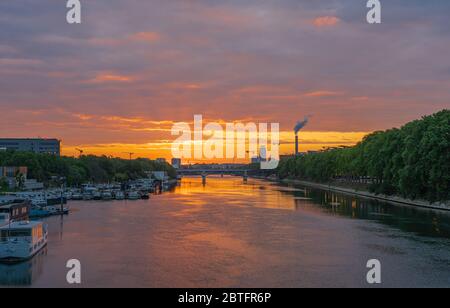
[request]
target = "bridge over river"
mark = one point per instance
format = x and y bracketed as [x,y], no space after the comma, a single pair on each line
[213,171]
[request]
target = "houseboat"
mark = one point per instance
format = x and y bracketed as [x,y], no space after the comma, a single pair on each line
[16,210]
[20,241]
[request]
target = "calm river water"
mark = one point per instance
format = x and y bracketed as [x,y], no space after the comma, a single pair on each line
[230,234]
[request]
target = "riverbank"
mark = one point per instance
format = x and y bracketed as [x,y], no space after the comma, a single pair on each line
[368,195]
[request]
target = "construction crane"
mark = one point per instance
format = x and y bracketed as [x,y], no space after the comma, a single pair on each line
[129,153]
[81,151]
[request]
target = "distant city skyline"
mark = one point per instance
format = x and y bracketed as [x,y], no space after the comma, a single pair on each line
[117,82]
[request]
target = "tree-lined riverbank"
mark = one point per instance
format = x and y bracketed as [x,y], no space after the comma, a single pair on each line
[97,169]
[412,162]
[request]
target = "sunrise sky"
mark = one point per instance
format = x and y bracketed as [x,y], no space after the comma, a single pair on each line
[117,82]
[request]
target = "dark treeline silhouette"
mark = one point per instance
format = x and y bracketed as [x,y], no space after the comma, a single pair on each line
[97,169]
[412,162]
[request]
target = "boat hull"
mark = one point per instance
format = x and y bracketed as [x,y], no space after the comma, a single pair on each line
[36,213]
[14,253]
[16,260]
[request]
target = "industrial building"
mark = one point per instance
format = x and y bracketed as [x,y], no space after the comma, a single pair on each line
[48,146]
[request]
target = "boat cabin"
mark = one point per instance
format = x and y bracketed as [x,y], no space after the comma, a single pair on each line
[22,240]
[17,210]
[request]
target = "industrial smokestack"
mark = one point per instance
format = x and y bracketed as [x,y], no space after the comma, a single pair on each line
[300,125]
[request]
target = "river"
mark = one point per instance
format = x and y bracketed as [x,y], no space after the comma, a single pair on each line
[230,234]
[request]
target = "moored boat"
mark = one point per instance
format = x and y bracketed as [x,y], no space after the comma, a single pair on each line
[56,210]
[20,241]
[107,195]
[119,195]
[37,212]
[56,199]
[87,196]
[96,195]
[133,195]
[77,196]
[145,195]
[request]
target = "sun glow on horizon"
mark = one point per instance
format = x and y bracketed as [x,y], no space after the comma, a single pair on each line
[309,141]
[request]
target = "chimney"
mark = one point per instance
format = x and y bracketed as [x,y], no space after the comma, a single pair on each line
[300,125]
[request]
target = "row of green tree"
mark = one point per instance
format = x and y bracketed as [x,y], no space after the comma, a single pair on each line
[97,169]
[413,161]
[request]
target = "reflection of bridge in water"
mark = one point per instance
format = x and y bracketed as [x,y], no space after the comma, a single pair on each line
[218,171]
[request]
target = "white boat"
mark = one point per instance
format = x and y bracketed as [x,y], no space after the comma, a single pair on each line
[20,241]
[91,192]
[97,195]
[37,199]
[56,210]
[143,185]
[133,195]
[107,195]
[87,196]
[120,195]
[77,196]
[41,198]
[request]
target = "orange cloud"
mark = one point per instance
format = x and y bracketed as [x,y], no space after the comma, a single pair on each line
[110,77]
[323,94]
[187,85]
[83,117]
[326,21]
[150,37]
